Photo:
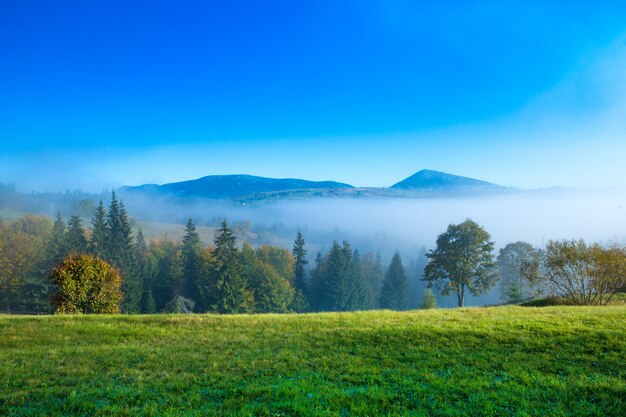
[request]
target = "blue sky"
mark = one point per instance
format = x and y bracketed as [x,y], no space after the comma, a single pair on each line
[97,94]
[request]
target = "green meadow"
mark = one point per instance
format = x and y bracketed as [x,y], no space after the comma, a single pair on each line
[499,361]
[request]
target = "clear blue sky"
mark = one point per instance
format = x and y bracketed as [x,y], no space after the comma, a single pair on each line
[97,94]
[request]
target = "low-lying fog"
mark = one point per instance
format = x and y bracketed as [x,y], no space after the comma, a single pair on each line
[532,216]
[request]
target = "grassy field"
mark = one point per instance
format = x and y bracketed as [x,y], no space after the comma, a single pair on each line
[505,361]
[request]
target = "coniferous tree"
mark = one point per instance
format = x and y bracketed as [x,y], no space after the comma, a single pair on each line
[192,265]
[317,295]
[414,274]
[75,237]
[232,293]
[148,305]
[99,232]
[299,281]
[121,254]
[372,270]
[345,288]
[167,279]
[57,247]
[394,293]
[428,300]
[146,269]
[358,286]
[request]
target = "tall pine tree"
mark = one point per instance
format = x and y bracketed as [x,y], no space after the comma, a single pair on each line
[300,303]
[192,265]
[394,294]
[345,288]
[75,237]
[56,248]
[99,232]
[120,253]
[232,293]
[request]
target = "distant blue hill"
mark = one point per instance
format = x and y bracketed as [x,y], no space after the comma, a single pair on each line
[232,186]
[248,188]
[435,180]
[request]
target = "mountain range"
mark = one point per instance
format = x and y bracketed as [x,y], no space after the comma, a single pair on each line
[424,183]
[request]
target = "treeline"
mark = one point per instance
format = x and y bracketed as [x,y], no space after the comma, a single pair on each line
[165,275]
[178,276]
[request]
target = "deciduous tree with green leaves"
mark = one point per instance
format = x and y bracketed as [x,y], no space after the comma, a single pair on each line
[462,261]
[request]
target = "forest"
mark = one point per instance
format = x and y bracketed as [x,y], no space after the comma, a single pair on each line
[183,276]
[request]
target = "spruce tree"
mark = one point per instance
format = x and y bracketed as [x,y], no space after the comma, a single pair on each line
[121,254]
[75,238]
[56,249]
[345,288]
[372,270]
[148,306]
[167,276]
[232,293]
[428,300]
[317,295]
[99,232]
[394,293]
[192,265]
[299,282]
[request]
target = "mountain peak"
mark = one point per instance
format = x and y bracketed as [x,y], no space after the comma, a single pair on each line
[429,179]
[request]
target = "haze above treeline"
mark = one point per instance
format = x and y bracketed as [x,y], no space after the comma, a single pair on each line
[406,216]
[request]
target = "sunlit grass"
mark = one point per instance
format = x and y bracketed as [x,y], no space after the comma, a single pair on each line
[479,361]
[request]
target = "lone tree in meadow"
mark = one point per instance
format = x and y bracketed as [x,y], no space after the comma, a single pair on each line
[86,284]
[462,261]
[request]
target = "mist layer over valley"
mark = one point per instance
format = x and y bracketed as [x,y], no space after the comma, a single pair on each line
[532,216]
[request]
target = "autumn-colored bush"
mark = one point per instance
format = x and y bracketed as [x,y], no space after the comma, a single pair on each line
[86,284]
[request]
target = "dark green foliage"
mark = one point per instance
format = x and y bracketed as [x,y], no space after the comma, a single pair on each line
[414,275]
[301,288]
[339,282]
[193,268]
[85,284]
[462,261]
[75,239]
[428,300]
[231,289]
[394,294]
[99,233]
[316,294]
[57,247]
[167,278]
[120,252]
[371,268]
[148,305]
